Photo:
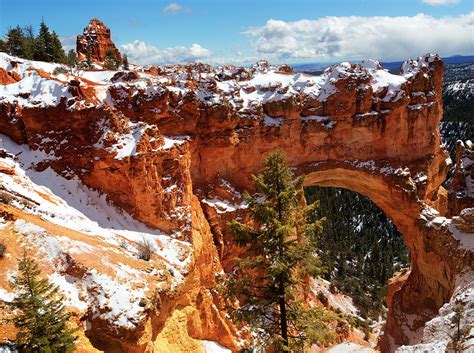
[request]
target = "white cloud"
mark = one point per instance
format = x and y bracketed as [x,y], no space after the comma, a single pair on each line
[236,59]
[139,52]
[175,8]
[384,38]
[441,2]
[142,53]
[68,42]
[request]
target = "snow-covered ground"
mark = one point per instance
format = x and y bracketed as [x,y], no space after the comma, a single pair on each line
[7,349]
[126,143]
[114,293]
[433,219]
[440,332]
[214,347]
[223,206]
[337,301]
[256,86]
[349,347]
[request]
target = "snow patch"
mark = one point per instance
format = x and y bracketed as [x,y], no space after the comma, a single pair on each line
[34,91]
[349,347]
[6,296]
[70,288]
[68,203]
[214,347]
[438,332]
[223,206]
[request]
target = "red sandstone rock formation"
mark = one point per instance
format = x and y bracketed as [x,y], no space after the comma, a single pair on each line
[96,39]
[176,151]
[6,78]
[461,184]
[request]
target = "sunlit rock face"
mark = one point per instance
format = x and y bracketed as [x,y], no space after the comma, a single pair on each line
[96,40]
[106,159]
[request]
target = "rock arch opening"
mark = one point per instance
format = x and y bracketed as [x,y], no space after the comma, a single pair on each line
[360,247]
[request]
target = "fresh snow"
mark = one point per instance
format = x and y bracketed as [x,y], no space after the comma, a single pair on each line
[100,77]
[75,205]
[372,113]
[39,92]
[349,347]
[68,203]
[466,240]
[269,121]
[269,85]
[171,142]
[51,246]
[324,120]
[381,79]
[339,301]
[70,288]
[438,331]
[431,216]
[24,65]
[6,296]
[265,85]
[127,143]
[317,118]
[214,347]
[7,349]
[223,206]
[120,302]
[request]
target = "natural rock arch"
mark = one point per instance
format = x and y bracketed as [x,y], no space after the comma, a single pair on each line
[428,269]
[393,156]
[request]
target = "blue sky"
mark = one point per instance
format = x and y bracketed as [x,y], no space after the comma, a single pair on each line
[240,31]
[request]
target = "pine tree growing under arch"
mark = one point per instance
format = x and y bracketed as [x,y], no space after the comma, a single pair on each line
[281,253]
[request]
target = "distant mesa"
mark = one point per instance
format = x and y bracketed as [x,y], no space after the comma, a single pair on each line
[96,39]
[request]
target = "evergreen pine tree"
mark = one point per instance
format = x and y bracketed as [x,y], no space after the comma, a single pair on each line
[14,42]
[57,51]
[43,47]
[280,256]
[110,62]
[361,246]
[40,53]
[41,318]
[125,62]
[71,59]
[28,47]
[3,46]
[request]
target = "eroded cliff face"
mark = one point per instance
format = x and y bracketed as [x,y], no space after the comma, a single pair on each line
[164,153]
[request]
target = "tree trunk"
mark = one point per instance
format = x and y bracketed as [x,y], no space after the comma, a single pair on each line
[283,319]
